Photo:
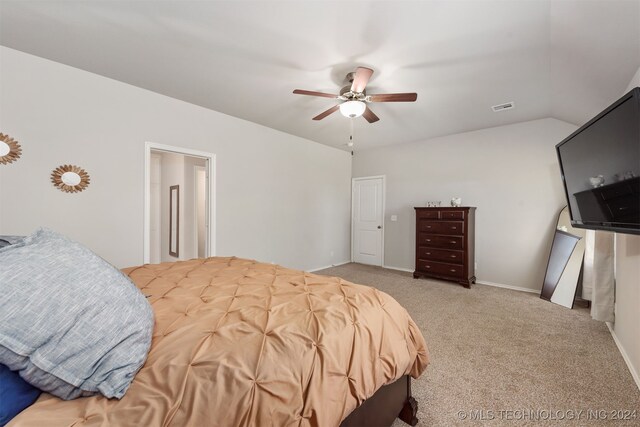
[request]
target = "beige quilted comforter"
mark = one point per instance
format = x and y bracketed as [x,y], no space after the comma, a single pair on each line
[240,343]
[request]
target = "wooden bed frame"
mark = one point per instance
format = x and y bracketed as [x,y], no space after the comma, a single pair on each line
[388,403]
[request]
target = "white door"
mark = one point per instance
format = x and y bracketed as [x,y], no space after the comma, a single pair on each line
[368,220]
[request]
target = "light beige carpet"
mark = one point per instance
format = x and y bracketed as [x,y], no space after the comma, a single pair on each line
[503,357]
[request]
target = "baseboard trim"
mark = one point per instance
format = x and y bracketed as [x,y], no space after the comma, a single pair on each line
[513,288]
[397,268]
[625,356]
[329,266]
[497,285]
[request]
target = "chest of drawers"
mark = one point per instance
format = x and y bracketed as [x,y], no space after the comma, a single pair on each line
[445,243]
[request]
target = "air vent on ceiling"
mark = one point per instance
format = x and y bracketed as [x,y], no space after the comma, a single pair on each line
[502,107]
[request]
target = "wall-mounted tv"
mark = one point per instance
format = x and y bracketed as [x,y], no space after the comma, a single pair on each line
[600,167]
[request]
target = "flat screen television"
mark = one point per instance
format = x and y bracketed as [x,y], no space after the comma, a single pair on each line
[600,168]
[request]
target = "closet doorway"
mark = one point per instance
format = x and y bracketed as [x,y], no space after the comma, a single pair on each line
[179,200]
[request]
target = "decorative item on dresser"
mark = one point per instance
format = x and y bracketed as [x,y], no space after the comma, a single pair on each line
[445,240]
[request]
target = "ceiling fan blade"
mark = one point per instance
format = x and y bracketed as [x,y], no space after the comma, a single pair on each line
[393,97]
[327,112]
[361,79]
[369,116]
[312,93]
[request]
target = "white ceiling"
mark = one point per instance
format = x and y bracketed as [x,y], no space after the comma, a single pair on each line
[562,59]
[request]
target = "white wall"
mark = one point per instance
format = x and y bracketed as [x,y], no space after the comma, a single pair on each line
[627,321]
[510,173]
[280,198]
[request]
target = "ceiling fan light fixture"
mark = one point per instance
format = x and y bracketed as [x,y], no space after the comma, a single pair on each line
[354,97]
[352,108]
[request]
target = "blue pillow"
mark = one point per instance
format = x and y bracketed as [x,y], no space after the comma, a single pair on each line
[15,394]
[72,324]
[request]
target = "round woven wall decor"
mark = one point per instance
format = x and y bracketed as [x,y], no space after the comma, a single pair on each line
[70,178]
[10,150]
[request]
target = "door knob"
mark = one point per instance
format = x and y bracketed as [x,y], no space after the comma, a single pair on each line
[379,227]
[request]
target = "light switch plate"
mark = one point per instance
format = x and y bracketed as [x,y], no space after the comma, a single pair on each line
[394,217]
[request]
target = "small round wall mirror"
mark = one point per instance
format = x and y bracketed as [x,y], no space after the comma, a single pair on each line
[70,178]
[10,150]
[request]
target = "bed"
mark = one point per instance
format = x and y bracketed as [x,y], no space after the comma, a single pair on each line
[242,343]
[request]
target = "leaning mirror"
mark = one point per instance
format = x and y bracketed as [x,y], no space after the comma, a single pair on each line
[70,178]
[564,269]
[10,150]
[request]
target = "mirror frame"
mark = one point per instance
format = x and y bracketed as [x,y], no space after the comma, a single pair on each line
[56,179]
[15,151]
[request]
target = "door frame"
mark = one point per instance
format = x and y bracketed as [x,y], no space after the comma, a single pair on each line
[158,205]
[384,208]
[197,169]
[210,218]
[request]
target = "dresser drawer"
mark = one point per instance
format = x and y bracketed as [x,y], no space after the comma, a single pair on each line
[447,242]
[428,214]
[452,215]
[454,257]
[441,227]
[440,268]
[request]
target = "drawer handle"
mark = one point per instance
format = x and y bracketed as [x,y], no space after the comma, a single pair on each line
[453,241]
[453,270]
[428,226]
[454,228]
[453,256]
[428,240]
[428,266]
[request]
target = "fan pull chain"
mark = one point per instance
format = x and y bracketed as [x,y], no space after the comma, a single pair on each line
[350,144]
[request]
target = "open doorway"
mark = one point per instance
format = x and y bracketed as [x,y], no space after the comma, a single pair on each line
[179,204]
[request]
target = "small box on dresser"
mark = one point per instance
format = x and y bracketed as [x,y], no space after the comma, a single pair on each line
[445,240]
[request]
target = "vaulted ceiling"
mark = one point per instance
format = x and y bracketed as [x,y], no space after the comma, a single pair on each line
[562,59]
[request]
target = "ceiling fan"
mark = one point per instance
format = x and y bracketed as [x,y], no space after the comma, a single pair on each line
[355,98]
